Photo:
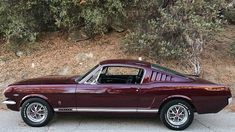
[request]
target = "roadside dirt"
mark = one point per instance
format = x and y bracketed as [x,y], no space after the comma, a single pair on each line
[53,54]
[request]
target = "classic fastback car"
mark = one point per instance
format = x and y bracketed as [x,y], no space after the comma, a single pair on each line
[118,86]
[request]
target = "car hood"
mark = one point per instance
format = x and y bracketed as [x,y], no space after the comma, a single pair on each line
[52,79]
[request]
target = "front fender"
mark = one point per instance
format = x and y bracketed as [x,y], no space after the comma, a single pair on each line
[32,96]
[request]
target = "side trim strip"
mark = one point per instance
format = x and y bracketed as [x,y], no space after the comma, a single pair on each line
[71,109]
[148,110]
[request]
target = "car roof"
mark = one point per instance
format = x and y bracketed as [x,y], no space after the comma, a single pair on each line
[126,62]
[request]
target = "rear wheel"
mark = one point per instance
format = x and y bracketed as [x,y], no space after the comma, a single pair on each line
[177,114]
[36,112]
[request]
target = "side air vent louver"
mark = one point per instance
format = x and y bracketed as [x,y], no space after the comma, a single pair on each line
[160,77]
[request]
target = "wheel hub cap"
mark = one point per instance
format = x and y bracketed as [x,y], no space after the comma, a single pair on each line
[36,112]
[177,115]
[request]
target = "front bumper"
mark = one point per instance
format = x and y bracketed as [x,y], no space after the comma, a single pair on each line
[9,102]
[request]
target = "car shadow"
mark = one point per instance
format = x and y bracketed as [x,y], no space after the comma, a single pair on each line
[106,122]
[129,122]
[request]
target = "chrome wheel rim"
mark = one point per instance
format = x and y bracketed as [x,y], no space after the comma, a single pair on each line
[36,112]
[177,115]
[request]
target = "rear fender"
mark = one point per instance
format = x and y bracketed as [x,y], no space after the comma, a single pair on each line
[172,97]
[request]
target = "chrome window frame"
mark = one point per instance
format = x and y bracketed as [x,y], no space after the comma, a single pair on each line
[100,67]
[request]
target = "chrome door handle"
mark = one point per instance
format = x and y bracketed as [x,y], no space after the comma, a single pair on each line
[113,91]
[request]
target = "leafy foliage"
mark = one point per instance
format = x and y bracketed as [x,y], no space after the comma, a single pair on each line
[99,15]
[15,26]
[232,49]
[174,28]
[163,29]
[22,20]
[230,15]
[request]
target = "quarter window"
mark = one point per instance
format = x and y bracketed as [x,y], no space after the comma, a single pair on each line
[93,78]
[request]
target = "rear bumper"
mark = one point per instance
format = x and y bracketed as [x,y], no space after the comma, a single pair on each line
[230,100]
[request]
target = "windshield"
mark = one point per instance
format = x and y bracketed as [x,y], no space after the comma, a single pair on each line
[167,70]
[83,76]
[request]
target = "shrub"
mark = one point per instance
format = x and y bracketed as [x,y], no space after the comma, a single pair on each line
[16,27]
[99,15]
[175,30]
[163,29]
[232,49]
[66,13]
[22,20]
[230,15]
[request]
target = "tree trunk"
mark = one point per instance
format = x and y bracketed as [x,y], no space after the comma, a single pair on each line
[196,47]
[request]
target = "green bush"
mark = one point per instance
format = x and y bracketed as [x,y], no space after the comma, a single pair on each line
[99,15]
[158,28]
[66,13]
[16,27]
[232,49]
[22,20]
[230,15]
[174,30]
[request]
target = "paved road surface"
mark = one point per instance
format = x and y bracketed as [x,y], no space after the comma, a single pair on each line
[220,122]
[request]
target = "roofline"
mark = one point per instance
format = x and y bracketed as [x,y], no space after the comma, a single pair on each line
[127,62]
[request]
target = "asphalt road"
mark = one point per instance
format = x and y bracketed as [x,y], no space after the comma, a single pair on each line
[220,122]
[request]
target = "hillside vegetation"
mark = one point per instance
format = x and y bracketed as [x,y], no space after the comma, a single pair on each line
[163,29]
[64,37]
[54,54]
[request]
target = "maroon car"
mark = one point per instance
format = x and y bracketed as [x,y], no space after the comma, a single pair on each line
[118,86]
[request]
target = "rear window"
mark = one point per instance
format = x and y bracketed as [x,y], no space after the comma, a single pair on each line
[167,70]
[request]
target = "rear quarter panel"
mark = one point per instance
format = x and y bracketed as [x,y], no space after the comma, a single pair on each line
[208,98]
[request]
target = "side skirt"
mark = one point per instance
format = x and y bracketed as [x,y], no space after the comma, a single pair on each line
[124,110]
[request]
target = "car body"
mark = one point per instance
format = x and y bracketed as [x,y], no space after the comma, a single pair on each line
[100,90]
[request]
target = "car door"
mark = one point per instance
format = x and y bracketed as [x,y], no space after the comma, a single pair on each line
[107,96]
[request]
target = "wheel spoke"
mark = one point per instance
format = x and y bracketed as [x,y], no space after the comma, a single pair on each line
[177,115]
[36,112]
[35,107]
[41,109]
[31,110]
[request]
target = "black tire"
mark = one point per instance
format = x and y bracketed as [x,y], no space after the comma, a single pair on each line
[46,119]
[183,104]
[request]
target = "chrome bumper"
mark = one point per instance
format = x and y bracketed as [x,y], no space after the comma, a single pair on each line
[9,102]
[230,100]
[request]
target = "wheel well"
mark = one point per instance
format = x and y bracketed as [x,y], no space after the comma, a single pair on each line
[186,100]
[22,102]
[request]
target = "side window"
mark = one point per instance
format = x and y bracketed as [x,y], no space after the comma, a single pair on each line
[122,71]
[121,75]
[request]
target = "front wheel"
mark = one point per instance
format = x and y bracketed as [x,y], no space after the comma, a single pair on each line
[177,114]
[36,112]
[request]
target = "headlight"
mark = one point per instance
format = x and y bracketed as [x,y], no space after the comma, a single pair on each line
[7,90]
